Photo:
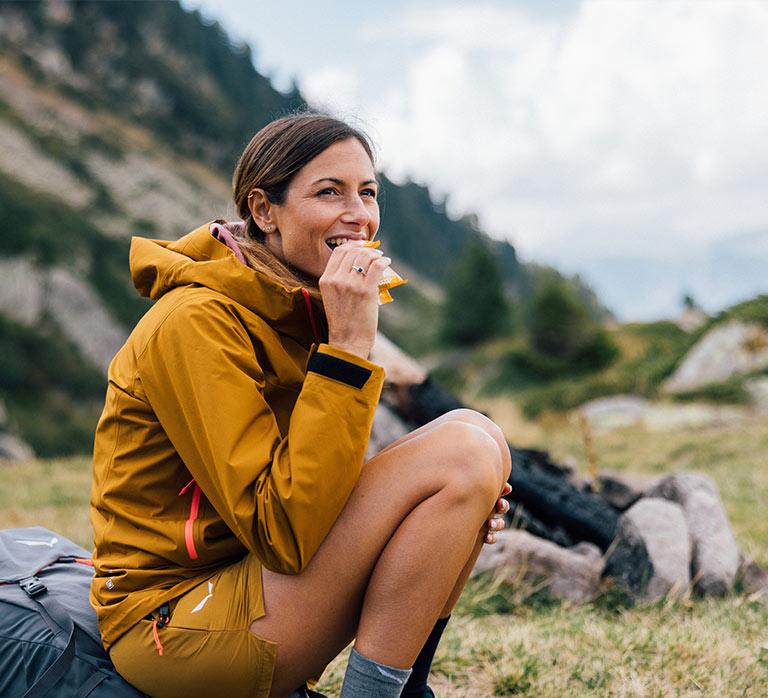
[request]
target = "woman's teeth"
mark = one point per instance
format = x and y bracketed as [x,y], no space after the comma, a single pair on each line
[333,243]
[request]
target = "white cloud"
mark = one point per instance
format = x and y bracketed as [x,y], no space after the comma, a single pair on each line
[573,131]
[635,128]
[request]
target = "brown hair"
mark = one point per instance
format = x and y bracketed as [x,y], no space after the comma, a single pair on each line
[270,162]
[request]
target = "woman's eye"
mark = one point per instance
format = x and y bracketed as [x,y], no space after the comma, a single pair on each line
[327,191]
[369,192]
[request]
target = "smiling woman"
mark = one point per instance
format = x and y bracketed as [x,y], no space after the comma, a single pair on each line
[241,541]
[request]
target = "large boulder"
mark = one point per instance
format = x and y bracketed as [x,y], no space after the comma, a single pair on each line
[572,574]
[715,559]
[651,553]
[729,349]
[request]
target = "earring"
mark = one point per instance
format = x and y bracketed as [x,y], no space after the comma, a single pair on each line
[268,228]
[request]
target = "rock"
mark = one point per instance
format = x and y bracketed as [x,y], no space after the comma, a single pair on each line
[754,579]
[614,412]
[28,292]
[622,490]
[692,319]
[729,349]
[387,427]
[571,574]
[21,289]
[12,448]
[674,416]
[399,368]
[715,558]
[651,553]
[757,388]
[83,318]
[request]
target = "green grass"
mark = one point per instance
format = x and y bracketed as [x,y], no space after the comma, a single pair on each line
[507,640]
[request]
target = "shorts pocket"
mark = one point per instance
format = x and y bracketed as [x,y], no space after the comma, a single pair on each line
[232,663]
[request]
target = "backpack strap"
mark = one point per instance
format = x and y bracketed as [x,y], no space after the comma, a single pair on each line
[36,591]
[90,684]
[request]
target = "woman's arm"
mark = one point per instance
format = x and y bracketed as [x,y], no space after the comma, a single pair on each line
[280,496]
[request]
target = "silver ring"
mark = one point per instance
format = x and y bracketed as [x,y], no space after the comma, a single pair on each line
[359,270]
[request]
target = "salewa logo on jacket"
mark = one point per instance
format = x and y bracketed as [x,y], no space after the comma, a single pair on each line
[199,606]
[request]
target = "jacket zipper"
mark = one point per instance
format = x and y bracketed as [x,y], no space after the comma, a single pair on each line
[194,510]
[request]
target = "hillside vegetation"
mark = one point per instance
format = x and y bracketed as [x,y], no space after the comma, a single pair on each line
[633,358]
[126,118]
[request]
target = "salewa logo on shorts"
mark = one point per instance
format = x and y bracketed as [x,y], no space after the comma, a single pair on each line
[199,606]
[48,543]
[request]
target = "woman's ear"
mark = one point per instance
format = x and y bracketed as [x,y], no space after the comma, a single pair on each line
[261,210]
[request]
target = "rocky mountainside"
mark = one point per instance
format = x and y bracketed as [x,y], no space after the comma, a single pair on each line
[126,118]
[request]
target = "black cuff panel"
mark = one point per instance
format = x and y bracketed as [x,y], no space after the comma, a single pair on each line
[338,369]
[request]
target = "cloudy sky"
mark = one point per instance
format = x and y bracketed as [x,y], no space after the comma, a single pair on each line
[627,141]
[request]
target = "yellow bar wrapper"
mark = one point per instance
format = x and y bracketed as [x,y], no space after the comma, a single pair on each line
[390,277]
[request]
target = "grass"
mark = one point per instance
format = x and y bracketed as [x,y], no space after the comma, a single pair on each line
[506,640]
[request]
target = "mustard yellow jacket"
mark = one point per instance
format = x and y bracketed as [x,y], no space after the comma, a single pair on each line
[229,428]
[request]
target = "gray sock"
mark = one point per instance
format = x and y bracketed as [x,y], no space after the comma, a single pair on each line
[368,679]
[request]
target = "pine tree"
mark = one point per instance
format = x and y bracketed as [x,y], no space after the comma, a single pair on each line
[475,307]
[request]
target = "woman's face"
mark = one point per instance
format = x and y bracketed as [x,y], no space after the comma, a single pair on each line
[332,197]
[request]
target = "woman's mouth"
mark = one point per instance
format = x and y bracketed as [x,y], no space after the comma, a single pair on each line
[333,243]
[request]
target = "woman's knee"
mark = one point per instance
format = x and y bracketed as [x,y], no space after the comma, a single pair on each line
[474,417]
[470,460]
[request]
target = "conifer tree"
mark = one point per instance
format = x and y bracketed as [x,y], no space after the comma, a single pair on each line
[475,307]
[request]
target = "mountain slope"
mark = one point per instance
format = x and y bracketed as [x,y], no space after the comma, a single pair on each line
[126,118]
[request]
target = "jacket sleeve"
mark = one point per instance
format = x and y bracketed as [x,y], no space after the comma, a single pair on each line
[279,495]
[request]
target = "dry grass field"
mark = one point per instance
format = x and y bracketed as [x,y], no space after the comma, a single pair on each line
[508,641]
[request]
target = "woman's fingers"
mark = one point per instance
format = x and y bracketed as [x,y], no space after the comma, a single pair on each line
[493,526]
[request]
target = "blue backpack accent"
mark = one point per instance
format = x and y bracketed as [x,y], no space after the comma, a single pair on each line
[49,639]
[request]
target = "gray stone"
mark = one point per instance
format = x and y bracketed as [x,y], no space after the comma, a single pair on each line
[614,412]
[754,579]
[83,318]
[572,574]
[387,427]
[622,490]
[21,289]
[715,558]
[729,349]
[651,554]
[12,448]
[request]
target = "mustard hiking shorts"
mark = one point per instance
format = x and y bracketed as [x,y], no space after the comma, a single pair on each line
[207,649]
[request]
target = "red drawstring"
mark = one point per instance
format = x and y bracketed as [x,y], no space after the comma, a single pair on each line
[194,510]
[311,314]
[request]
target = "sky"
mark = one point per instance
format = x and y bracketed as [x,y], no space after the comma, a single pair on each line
[625,141]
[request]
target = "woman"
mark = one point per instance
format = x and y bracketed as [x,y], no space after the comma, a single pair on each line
[241,543]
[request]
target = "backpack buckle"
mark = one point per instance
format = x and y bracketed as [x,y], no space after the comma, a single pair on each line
[32,586]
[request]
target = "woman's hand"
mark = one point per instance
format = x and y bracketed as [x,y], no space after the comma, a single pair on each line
[496,522]
[350,298]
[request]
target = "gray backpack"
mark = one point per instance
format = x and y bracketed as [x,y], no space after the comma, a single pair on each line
[49,640]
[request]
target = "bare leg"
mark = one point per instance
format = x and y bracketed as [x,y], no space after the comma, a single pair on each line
[438,487]
[490,427]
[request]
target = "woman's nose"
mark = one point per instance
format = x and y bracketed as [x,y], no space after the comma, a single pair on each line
[357,212]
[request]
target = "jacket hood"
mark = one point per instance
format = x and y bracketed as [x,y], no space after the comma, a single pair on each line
[199,259]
